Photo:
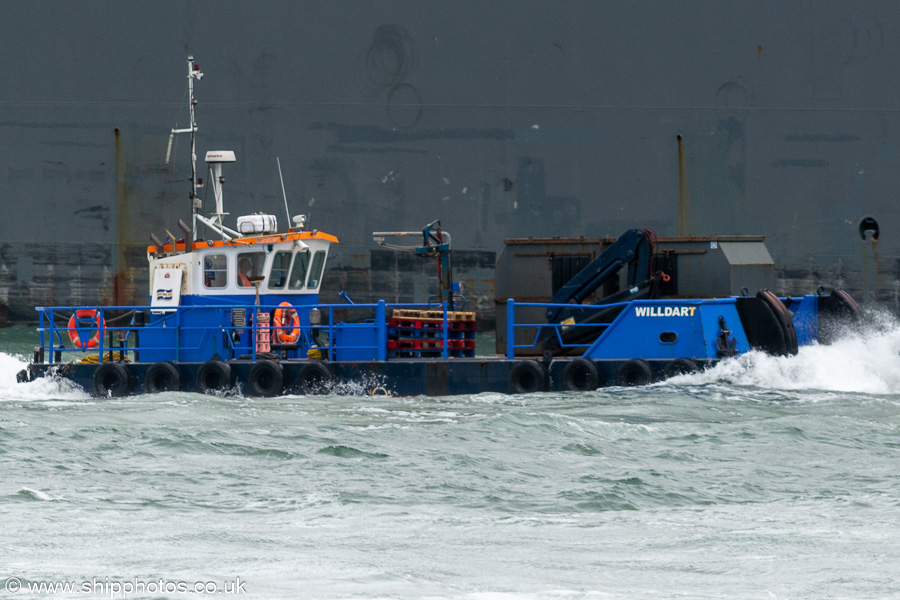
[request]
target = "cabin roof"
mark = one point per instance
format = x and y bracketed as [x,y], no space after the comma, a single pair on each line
[245,241]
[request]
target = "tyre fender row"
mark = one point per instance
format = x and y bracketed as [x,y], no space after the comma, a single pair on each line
[581,374]
[265,379]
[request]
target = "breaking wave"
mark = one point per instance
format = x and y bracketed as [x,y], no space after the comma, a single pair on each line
[864,360]
[43,388]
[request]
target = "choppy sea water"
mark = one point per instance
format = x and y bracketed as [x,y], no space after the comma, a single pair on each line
[762,478]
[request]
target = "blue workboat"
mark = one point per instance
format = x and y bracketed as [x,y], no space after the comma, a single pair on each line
[237,310]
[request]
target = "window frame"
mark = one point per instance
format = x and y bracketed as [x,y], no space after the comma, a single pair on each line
[317,263]
[213,256]
[287,270]
[262,269]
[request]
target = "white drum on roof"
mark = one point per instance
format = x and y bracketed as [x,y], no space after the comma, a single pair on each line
[251,224]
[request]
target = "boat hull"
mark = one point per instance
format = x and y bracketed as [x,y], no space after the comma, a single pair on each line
[399,377]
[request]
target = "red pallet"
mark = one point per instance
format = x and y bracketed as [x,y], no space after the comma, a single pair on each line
[461,344]
[430,324]
[419,344]
[430,344]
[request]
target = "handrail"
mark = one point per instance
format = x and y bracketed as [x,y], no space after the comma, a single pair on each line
[49,329]
[557,328]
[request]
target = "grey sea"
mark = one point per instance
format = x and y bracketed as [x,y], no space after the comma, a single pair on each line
[762,478]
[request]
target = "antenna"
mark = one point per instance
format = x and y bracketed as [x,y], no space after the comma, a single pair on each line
[283,193]
[196,203]
[215,158]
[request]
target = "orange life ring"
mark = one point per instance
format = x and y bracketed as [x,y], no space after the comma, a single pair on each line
[99,323]
[280,320]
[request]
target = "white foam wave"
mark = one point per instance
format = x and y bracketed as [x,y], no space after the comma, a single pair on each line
[9,366]
[34,494]
[43,388]
[865,361]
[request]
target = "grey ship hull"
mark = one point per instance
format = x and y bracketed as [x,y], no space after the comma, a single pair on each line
[503,119]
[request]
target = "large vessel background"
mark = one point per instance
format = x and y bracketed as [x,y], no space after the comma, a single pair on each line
[502,119]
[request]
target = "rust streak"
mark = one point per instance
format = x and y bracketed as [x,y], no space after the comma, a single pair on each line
[684,205]
[122,224]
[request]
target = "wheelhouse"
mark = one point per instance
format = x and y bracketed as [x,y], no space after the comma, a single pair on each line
[285,267]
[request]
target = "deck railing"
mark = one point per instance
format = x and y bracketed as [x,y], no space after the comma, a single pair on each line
[120,328]
[548,331]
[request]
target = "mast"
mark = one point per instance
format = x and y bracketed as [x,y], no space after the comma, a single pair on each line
[196,203]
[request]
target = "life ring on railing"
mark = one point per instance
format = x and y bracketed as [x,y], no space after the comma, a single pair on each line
[99,322]
[280,322]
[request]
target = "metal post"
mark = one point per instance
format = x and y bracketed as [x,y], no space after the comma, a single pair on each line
[177,333]
[41,322]
[101,332]
[254,332]
[192,102]
[331,333]
[445,353]
[382,330]
[510,329]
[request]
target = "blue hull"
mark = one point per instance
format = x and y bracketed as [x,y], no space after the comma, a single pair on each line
[402,377]
[382,349]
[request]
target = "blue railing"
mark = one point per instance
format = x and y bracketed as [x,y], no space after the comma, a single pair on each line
[215,320]
[545,330]
[353,332]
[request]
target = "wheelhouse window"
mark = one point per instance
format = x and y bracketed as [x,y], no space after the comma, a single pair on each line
[298,273]
[315,272]
[250,266]
[278,276]
[215,271]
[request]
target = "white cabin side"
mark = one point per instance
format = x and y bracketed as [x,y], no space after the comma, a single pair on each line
[282,268]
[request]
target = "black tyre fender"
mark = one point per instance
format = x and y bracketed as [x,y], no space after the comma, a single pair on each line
[680,366]
[162,377]
[111,380]
[526,377]
[634,372]
[844,305]
[837,312]
[785,320]
[266,379]
[213,376]
[314,378]
[581,375]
